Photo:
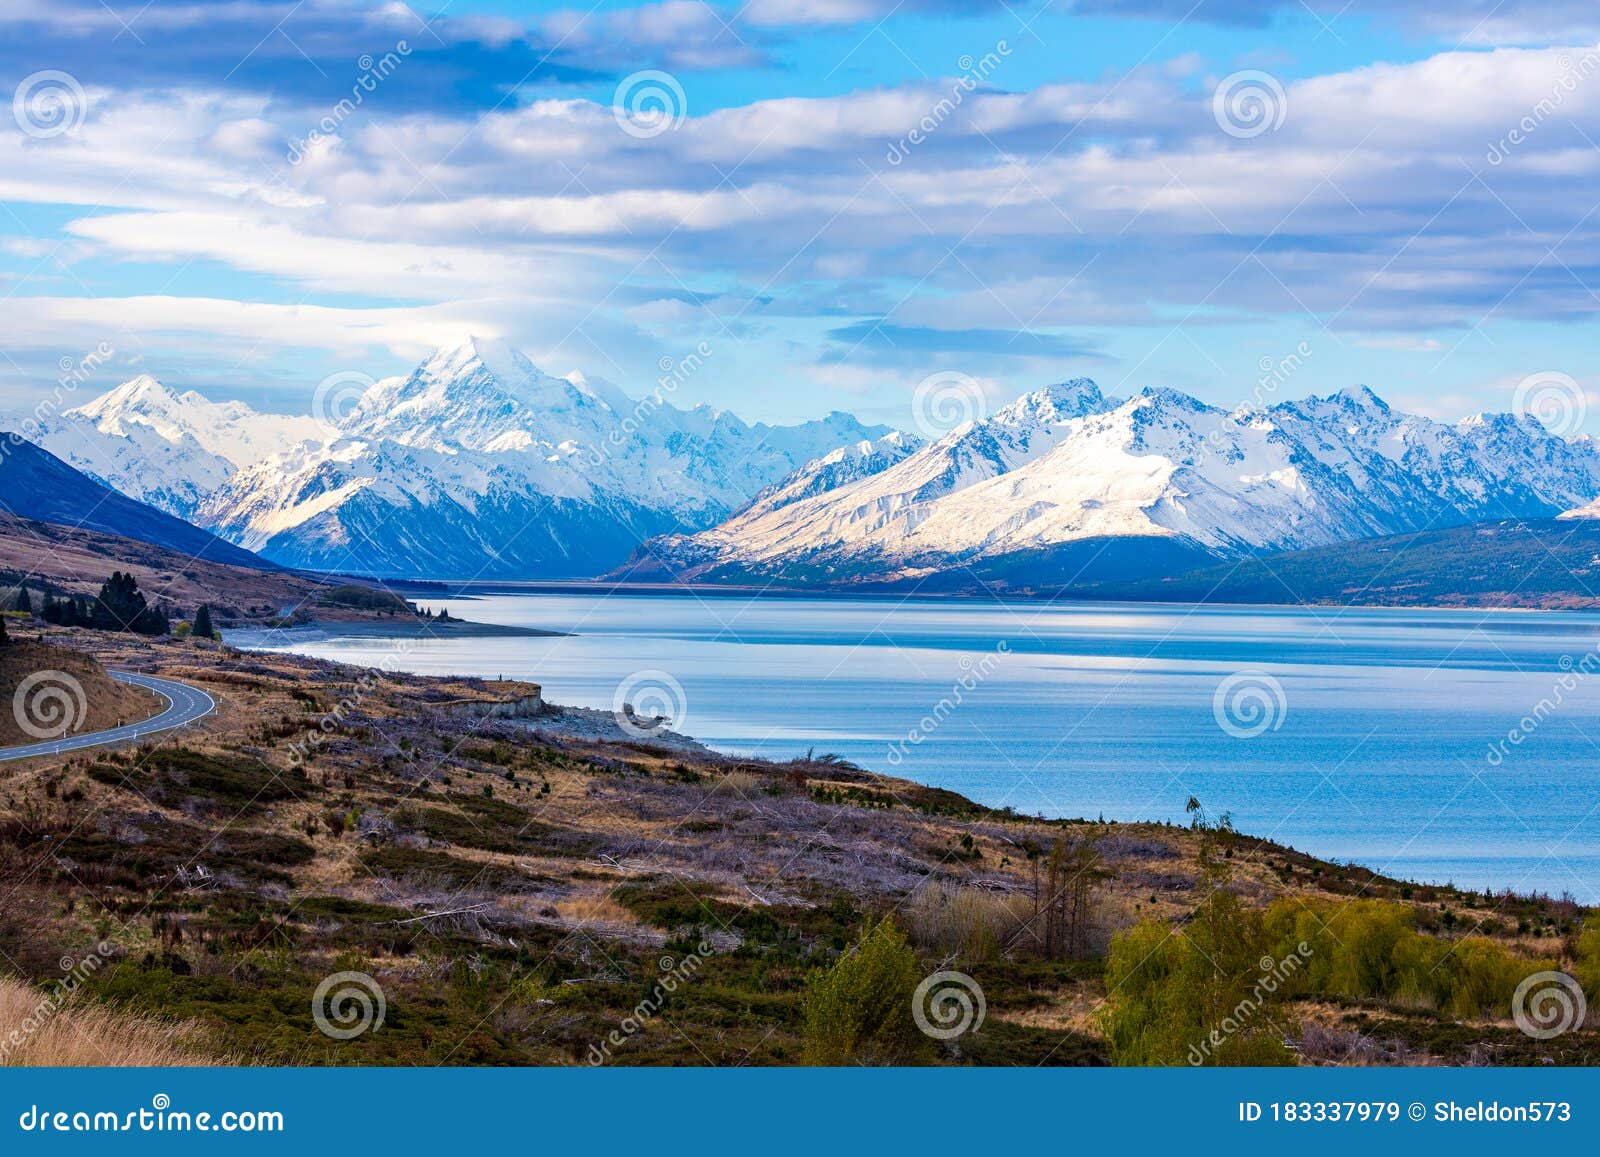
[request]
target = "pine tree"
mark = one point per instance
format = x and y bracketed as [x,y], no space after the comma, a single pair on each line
[202,623]
[5,639]
[24,600]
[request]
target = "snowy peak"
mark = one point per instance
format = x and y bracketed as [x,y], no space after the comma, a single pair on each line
[1064,466]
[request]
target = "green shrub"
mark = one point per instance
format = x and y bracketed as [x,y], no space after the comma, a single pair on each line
[859,1011]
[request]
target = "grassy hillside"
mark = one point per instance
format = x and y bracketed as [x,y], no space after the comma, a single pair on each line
[517,894]
[65,686]
[1541,563]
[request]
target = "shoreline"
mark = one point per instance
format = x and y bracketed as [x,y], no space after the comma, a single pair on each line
[319,631]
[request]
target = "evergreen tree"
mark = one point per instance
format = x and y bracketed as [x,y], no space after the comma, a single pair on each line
[49,609]
[120,607]
[202,623]
[24,600]
[5,639]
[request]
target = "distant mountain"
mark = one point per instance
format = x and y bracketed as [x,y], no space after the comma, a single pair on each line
[36,485]
[479,465]
[1547,563]
[167,449]
[1066,486]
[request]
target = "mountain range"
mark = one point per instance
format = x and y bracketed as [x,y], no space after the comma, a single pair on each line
[477,464]
[1066,486]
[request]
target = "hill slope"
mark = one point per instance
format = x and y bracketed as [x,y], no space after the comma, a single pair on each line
[1545,563]
[35,484]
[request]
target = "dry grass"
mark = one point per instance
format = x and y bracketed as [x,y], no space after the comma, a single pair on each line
[971,921]
[84,1035]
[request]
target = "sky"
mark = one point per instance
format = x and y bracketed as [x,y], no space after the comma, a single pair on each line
[838,199]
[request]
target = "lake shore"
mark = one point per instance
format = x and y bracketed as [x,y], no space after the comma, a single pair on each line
[319,631]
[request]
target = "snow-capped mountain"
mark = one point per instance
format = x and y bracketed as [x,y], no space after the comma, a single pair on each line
[1063,476]
[167,449]
[478,464]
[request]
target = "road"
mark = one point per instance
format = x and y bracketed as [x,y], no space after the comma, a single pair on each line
[185,704]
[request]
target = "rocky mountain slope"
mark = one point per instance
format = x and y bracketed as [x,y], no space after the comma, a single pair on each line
[1066,485]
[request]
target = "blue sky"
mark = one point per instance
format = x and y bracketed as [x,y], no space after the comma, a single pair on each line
[839,197]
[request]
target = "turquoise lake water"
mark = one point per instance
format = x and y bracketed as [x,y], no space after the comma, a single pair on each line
[1370,735]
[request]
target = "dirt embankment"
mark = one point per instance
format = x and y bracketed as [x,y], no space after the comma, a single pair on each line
[49,692]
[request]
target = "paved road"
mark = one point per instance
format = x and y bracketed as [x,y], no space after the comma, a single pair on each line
[185,704]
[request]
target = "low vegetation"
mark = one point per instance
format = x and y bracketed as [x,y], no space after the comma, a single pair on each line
[521,896]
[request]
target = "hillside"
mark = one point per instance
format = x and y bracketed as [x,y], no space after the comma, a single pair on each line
[36,485]
[1544,563]
[515,892]
[69,693]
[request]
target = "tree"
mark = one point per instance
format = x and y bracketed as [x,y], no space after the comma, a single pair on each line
[5,639]
[24,601]
[202,623]
[860,1010]
[121,607]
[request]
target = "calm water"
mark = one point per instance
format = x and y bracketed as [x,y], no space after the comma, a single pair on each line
[1374,727]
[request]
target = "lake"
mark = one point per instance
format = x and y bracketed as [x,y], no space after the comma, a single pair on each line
[1458,746]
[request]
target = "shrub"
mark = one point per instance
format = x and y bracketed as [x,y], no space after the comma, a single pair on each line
[970,922]
[859,1011]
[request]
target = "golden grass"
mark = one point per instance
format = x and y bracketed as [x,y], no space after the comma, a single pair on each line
[33,1032]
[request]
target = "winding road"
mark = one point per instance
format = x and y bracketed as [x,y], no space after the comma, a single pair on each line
[185,704]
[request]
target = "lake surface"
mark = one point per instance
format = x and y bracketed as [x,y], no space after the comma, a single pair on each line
[1369,735]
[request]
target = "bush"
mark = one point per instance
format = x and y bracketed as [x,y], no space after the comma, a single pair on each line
[859,1011]
[1196,995]
[969,922]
